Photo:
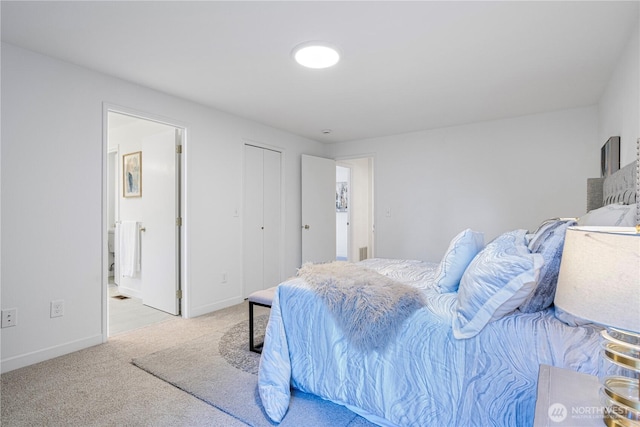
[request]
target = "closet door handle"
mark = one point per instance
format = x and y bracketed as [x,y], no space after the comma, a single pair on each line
[306,226]
[143,229]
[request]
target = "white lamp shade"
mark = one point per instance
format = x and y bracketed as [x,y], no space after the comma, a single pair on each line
[600,276]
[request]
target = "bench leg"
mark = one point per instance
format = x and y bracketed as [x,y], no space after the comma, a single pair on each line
[256,348]
[251,344]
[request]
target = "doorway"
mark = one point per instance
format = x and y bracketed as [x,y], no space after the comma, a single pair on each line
[354,209]
[143,221]
[343,196]
[324,235]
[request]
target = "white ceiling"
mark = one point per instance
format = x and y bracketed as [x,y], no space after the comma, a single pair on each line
[406,66]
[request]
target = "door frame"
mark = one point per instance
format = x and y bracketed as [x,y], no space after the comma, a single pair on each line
[181,176]
[350,255]
[116,202]
[372,212]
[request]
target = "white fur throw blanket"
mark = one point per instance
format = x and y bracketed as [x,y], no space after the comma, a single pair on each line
[369,307]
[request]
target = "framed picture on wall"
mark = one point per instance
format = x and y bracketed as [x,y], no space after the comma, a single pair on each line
[610,156]
[132,174]
[342,197]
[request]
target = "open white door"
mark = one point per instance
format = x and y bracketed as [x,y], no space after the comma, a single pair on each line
[160,210]
[318,209]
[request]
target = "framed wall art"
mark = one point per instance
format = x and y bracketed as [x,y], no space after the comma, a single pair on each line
[610,156]
[342,197]
[132,174]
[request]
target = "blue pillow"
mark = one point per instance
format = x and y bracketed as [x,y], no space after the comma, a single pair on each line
[496,282]
[461,250]
[547,241]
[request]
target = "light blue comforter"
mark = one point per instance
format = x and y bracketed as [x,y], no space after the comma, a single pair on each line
[425,376]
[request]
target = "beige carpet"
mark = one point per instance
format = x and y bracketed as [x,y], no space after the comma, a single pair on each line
[99,386]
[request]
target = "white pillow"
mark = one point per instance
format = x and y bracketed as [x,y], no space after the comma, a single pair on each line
[616,215]
[461,250]
[496,282]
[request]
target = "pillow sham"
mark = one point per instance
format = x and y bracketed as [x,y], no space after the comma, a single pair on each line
[548,241]
[617,215]
[496,282]
[462,248]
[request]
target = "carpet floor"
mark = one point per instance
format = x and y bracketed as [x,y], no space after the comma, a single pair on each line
[220,370]
[99,387]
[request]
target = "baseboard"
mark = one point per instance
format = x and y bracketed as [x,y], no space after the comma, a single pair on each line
[38,356]
[130,292]
[210,308]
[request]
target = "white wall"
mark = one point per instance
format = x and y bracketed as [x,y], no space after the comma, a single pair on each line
[497,175]
[619,108]
[491,176]
[52,199]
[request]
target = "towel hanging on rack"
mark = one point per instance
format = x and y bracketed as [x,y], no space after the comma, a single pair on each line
[129,248]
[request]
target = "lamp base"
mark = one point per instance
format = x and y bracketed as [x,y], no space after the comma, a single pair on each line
[618,394]
[620,378]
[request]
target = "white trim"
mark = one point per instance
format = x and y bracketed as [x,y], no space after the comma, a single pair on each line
[106,108]
[27,359]
[144,115]
[104,269]
[246,141]
[209,308]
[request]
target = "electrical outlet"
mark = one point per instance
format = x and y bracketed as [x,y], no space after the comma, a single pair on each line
[9,317]
[57,308]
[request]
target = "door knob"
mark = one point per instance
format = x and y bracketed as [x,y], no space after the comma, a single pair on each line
[306,226]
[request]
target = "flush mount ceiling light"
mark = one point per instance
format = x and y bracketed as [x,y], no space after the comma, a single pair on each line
[316,54]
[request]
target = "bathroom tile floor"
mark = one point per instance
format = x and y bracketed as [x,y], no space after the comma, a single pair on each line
[129,314]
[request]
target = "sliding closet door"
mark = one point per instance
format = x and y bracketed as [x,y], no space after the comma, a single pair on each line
[262,219]
[271,218]
[253,234]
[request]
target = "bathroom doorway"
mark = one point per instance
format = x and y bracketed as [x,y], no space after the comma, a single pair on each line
[144,221]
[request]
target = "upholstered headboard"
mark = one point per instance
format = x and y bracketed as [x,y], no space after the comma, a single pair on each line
[621,206]
[620,187]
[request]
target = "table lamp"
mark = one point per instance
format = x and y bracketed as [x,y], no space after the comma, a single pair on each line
[599,281]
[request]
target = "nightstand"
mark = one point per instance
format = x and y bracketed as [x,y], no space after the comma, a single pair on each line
[567,398]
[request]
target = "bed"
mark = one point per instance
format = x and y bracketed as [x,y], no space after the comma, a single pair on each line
[468,351]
